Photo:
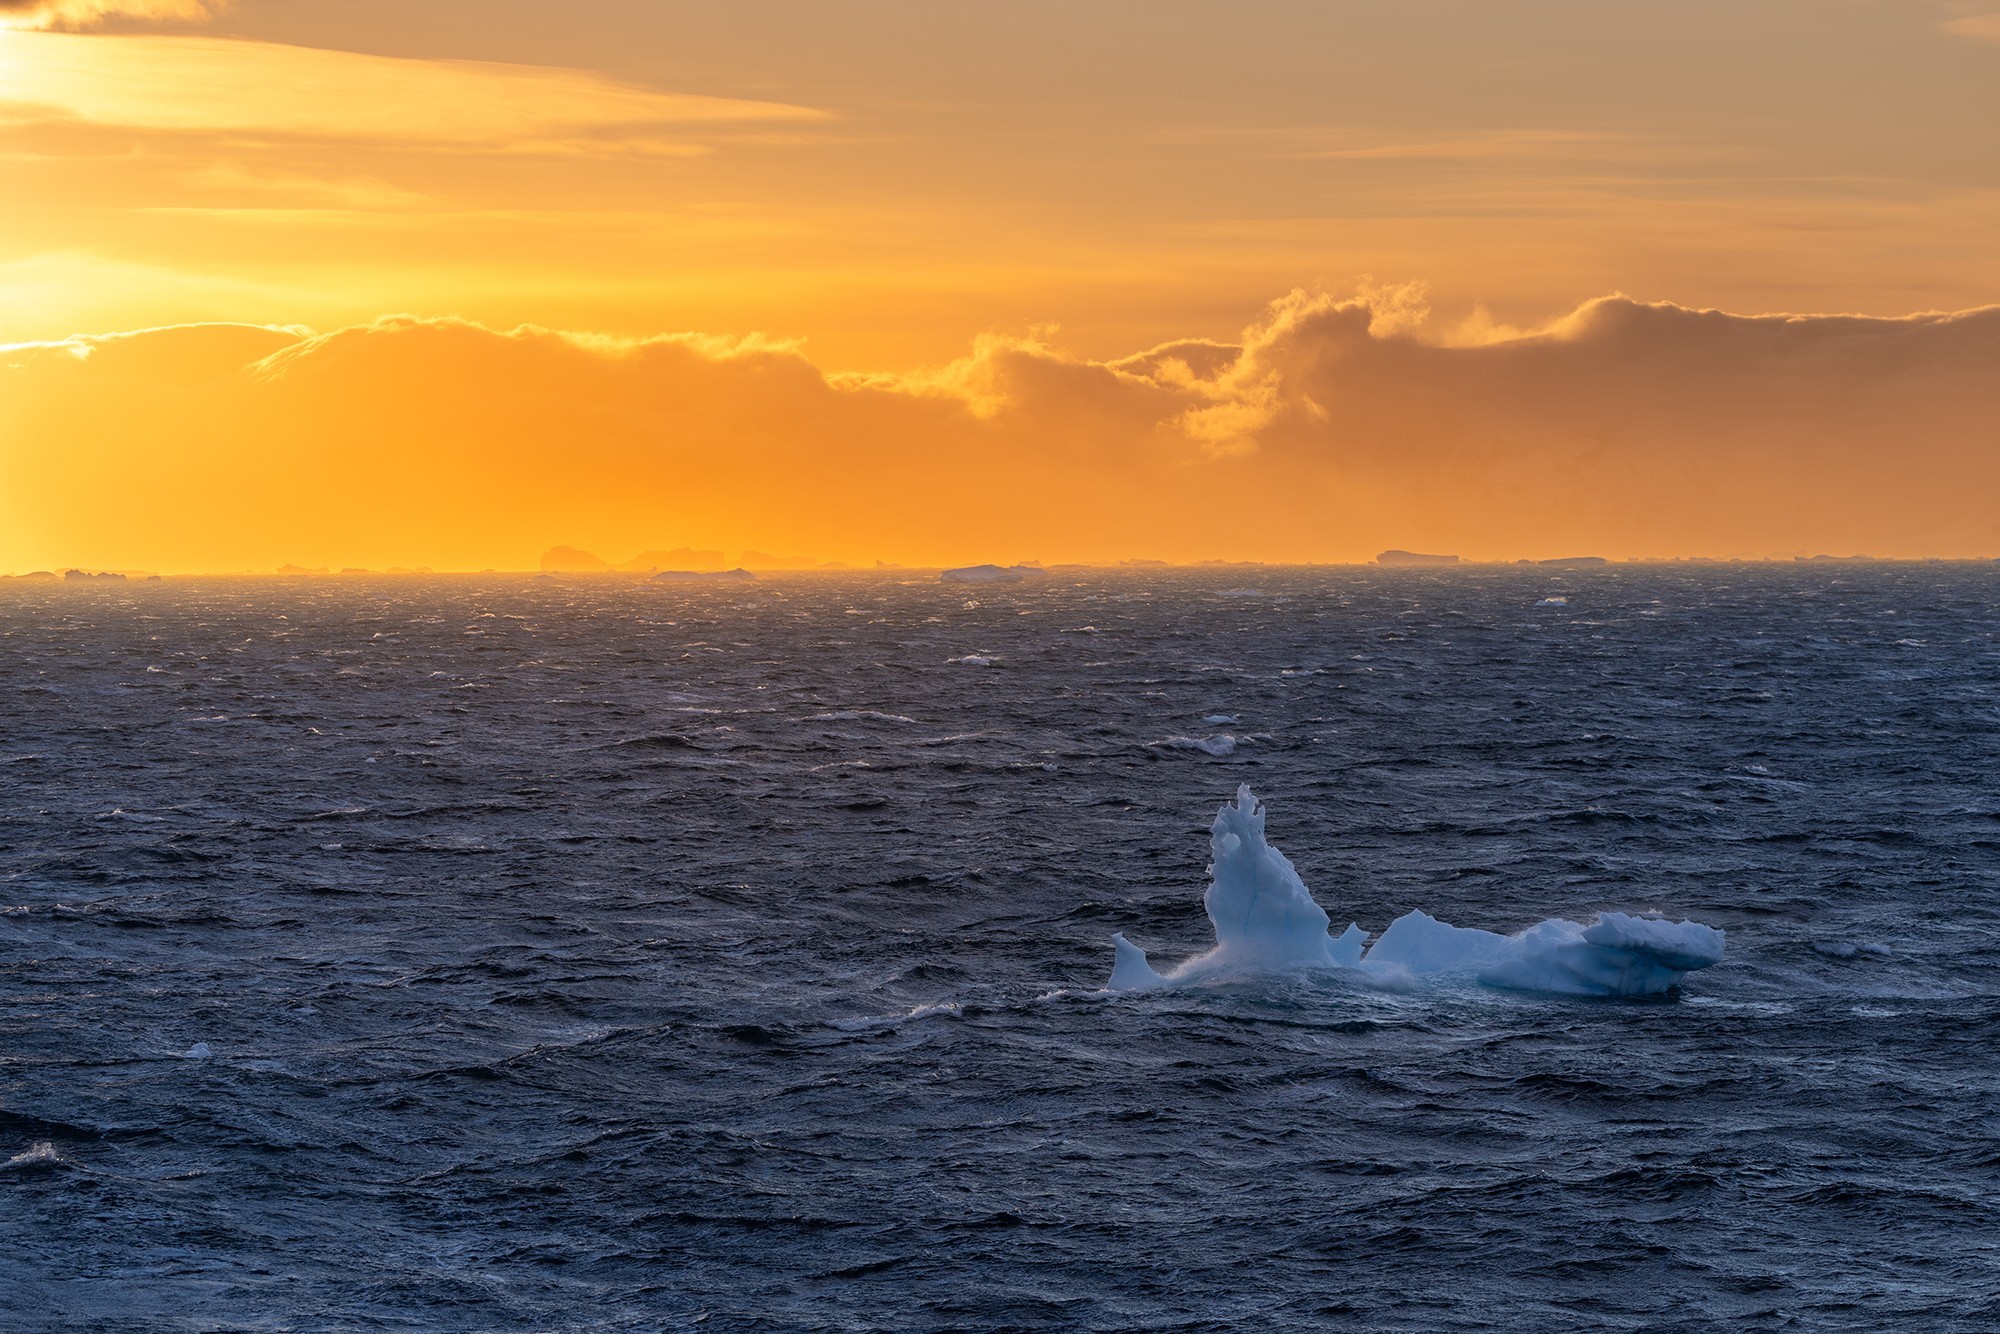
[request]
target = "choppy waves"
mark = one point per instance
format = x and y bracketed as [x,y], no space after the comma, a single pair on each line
[636,960]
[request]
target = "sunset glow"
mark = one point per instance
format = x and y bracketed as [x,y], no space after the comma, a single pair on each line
[447,284]
[1070,665]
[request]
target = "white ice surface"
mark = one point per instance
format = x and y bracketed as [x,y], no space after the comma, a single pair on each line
[1266,920]
[1264,917]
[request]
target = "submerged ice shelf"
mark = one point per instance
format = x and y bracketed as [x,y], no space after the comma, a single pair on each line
[1266,920]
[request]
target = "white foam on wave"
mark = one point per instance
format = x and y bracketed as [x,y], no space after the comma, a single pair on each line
[40,1155]
[858,716]
[873,1022]
[1850,949]
[1266,920]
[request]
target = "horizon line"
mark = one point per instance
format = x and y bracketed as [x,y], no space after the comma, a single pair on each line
[71,574]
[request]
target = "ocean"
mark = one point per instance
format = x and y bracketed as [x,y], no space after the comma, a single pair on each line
[509,953]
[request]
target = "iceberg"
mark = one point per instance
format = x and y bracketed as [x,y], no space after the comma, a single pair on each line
[1266,920]
[991,574]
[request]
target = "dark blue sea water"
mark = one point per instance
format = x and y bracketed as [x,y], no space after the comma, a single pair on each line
[573,954]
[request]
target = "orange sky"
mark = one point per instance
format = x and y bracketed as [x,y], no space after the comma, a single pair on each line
[958,229]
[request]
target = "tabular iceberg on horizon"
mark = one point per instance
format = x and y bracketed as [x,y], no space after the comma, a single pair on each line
[1266,920]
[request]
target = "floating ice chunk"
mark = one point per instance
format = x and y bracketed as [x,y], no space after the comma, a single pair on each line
[1265,920]
[198,1052]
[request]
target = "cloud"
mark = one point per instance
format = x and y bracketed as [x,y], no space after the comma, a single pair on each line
[1332,429]
[263,89]
[84,13]
[1979,27]
[242,182]
[1528,145]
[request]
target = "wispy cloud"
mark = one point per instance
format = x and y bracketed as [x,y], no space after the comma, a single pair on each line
[1979,27]
[242,181]
[84,13]
[1524,147]
[1488,146]
[260,89]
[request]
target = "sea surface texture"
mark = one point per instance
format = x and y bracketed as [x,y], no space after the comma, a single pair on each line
[501,953]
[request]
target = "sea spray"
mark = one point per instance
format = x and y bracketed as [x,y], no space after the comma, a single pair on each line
[1266,920]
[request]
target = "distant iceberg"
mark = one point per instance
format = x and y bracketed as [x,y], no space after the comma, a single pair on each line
[688,576]
[572,560]
[678,559]
[992,574]
[1266,921]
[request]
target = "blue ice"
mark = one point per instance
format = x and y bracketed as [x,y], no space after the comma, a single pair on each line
[1266,920]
